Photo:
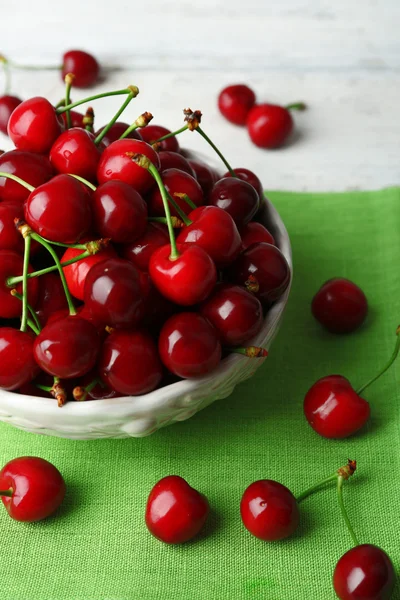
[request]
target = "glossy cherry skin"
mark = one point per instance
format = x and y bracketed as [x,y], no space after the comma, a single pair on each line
[115,132]
[59,210]
[83,65]
[67,348]
[269,125]
[32,168]
[129,363]
[173,160]
[51,297]
[74,151]
[17,365]
[152,133]
[254,233]
[34,125]
[205,175]
[187,280]
[77,273]
[119,212]
[76,119]
[215,231]
[269,510]
[175,182]
[340,306]
[10,238]
[11,265]
[7,105]
[235,313]
[237,197]
[364,573]
[189,345]
[235,101]
[333,409]
[249,177]
[175,512]
[113,293]
[140,251]
[115,164]
[38,488]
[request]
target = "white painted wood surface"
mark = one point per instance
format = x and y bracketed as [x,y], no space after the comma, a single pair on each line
[342,58]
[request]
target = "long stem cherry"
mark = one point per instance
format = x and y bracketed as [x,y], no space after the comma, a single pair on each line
[69,79]
[129,90]
[142,121]
[133,93]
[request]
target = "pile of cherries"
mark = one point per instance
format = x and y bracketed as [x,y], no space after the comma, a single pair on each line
[125,264]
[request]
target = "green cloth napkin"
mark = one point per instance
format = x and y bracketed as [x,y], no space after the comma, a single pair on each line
[98,548]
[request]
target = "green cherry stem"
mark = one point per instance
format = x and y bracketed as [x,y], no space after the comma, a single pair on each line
[33,327]
[214,147]
[133,93]
[343,472]
[18,180]
[80,394]
[25,310]
[296,106]
[84,181]
[9,493]
[176,221]
[32,312]
[386,367]
[69,78]
[345,516]
[13,281]
[128,90]
[172,134]
[186,199]
[178,209]
[140,122]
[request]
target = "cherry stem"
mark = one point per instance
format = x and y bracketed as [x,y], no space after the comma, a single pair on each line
[131,128]
[45,388]
[80,394]
[58,392]
[176,221]
[250,351]
[9,493]
[33,327]
[186,198]
[18,180]
[69,78]
[33,67]
[27,250]
[214,147]
[30,308]
[142,121]
[13,281]
[85,182]
[296,106]
[171,134]
[63,109]
[119,112]
[316,487]
[344,512]
[387,366]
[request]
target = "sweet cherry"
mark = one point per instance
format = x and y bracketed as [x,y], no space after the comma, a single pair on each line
[254,233]
[74,151]
[205,175]
[10,238]
[173,160]
[141,250]
[51,297]
[152,133]
[249,177]
[17,365]
[176,182]
[32,168]
[11,264]
[340,305]
[83,66]
[237,197]
[235,101]
[77,273]
[7,105]
[76,119]
[34,125]
[269,125]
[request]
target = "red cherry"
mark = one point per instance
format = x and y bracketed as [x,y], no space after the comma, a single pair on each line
[77,273]
[249,177]
[115,132]
[7,105]
[74,151]
[262,269]
[205,175]
[176,182]
[186,280]
[254,233]
[189,345]
[113,293]
[17,365]
[116,164]
[175,512]
[140,251]
[32,168]
[173,160]
[76,119]
[269,125]
[334,409]
[269,510]
[59,210]
[119,212]
[37,487]
[10,237]
[83,65]
[51,297]
[67,348]
[152,133]
[237,197]
[235,314]
[129,363]
[364,572]
[11,265]
[234,103]
[215,231]
[340,305]
[34,125]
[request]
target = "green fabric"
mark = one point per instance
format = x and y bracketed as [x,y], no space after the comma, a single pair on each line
[98,548]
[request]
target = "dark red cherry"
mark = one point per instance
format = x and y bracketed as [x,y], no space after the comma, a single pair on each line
[236,315]
[340,305]
[17,364]
[34,125]
[113,293]
[237,197]
[249,177]
[254,233]
[51,297]
[269,510]
[76,119]
[152,133]
[100,391]
[59,210]
[334,409]
[189,345]
[205,175]
[32,168]
[235,101]
[129,363]
[269,125]
[77,273]
[74,151]
[262,269]
[115,163]
[115,132]
[11,265]
[7,106]
[67,348]
[364,573]
[175,512]
[215,231]
[173,160]
[119,212]
[175,182]
[10,237]
[140,251]
[83,65]
[38,488]
[187,280]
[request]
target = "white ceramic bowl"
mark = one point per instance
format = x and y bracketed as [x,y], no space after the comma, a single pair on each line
[141,415]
